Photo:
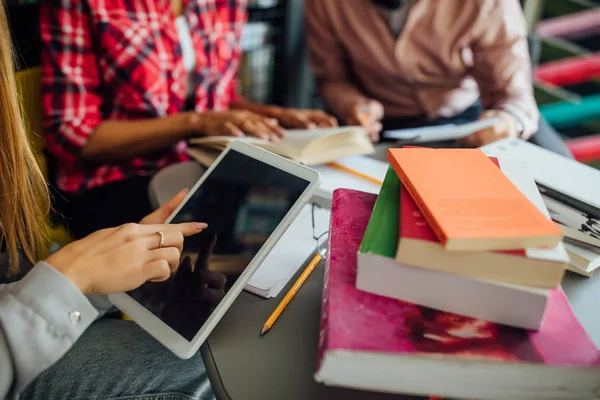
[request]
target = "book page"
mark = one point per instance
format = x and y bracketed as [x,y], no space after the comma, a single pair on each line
[301,138]
[562,174]
[289,254]
[334,178]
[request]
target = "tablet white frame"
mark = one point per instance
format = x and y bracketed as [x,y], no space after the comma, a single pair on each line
[164,333]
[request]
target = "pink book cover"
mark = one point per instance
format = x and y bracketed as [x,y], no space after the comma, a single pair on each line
[353,320]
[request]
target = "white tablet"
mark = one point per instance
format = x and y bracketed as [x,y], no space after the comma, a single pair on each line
[248,197]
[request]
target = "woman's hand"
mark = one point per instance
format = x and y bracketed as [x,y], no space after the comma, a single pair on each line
[237,123]
[368,115]
[505,127]
[120,259]
[302,119]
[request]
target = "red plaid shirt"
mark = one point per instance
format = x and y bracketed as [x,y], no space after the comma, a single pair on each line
[121,60]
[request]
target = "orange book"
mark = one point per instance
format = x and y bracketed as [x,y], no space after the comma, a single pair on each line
[469,203]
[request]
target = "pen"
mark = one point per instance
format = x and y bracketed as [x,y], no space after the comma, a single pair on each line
[365,114]
[354,172]
[290,295]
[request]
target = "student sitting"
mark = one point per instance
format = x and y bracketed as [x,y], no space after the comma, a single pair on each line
[52,346]
[391,64]
[126,82]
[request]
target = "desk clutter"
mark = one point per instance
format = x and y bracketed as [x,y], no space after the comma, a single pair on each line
[571,193]
[447,283]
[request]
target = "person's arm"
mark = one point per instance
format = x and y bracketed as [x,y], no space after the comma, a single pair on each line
[73,96]
[114,140]
[328,62]
[38,325]
[329,65]
[287,117]
[502,65]
[43,314]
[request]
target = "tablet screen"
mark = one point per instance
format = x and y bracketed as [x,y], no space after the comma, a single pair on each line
[243,201]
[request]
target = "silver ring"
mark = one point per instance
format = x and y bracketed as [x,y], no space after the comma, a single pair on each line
[162,239]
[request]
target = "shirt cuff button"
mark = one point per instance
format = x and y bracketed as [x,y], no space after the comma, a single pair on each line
[74,317]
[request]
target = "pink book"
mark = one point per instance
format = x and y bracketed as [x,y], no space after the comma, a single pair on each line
[377,343]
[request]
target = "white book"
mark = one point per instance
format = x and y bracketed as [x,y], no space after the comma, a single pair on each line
[513,305]
[565,175]
[572,218]
[584,259]
[579,236]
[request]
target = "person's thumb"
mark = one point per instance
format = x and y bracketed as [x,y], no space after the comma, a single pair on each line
[376,110]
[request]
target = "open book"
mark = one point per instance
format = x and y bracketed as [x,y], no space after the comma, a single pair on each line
[309,147]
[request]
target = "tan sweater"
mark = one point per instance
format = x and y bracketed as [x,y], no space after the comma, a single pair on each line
[449,54]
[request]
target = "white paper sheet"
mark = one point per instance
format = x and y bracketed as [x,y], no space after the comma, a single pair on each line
[289,254]
[335,179]
[440,132]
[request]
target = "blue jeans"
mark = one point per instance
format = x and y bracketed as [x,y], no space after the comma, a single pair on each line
[115,359]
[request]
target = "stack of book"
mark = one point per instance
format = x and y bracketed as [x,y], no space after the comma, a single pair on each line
[447,284]
[477,233]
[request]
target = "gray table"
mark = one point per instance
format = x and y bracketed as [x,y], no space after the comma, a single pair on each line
[280,365]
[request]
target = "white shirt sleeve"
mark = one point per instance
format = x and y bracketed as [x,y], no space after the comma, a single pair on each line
[41,317]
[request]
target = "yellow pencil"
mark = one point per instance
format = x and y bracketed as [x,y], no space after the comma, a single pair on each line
[290,295]
[365,114]
[354,172]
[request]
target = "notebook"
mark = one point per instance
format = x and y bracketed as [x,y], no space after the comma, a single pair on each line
[309,147]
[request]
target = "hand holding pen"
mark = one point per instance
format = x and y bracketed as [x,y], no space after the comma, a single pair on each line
[368,114]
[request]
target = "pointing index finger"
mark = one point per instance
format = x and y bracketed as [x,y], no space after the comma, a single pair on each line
[186,228]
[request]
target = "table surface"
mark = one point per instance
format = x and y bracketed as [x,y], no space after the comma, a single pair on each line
[280,365]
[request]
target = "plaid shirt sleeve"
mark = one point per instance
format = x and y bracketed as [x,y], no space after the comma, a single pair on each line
[70,78]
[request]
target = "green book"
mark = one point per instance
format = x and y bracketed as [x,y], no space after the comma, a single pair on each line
[381,236]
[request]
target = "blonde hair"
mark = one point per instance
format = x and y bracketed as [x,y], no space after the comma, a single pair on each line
[24,200]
